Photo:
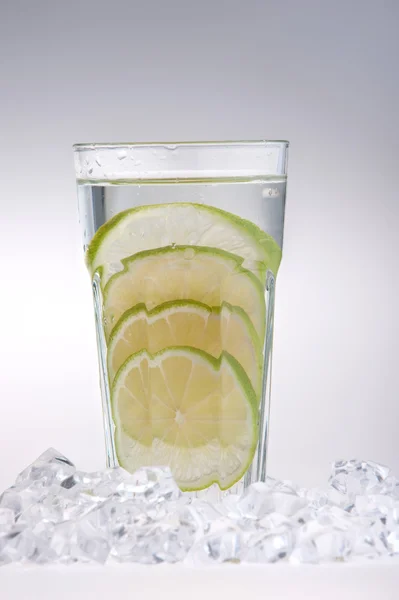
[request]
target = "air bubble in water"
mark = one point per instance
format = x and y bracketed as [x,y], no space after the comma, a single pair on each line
[269,192]
[189,253]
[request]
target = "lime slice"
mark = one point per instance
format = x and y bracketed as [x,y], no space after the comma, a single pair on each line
[158,225]
[184,409]
[183,273]
[187,323]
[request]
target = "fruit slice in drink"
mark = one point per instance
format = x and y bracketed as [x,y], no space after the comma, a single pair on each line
[205,275]
[187,323]
[154,226]
[183,408]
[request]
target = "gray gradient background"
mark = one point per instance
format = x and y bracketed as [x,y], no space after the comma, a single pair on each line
[323,75]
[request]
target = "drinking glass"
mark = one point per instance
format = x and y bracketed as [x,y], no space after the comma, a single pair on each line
[183,242]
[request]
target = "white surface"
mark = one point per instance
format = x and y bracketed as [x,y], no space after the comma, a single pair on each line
[369,581]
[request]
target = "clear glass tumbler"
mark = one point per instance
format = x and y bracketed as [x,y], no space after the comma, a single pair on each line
[183,243]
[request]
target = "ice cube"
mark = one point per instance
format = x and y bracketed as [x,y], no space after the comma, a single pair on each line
[304,553]
[98,484]
[7,520]
[374,505]
[49,467]
[61,542]
[287,503]
[333,545]
[256,502]
[205,515]
[316,498]
[150,484]
[166,541]
[90,541]
[355,477]
[269,547]
[390,487]
[19,499]
[17,545]
[367,543]
[392,541]
[221,547]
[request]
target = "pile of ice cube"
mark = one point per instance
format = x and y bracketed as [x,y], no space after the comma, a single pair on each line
[55,513]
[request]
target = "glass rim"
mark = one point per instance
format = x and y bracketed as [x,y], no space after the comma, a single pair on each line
[109,145]
[117,161]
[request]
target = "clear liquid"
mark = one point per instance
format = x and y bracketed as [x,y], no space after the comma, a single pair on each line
[259,200]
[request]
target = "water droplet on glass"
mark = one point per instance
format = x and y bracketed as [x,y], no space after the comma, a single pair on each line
[171,146]
[122,154]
